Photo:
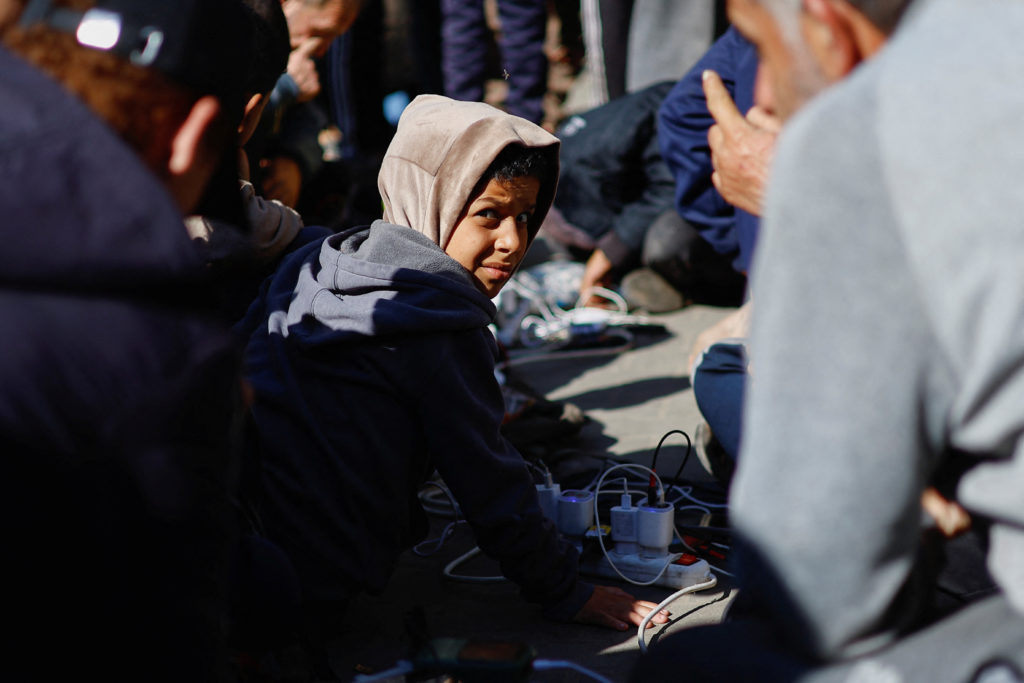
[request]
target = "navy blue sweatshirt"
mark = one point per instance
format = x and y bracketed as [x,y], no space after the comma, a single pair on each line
[373,365]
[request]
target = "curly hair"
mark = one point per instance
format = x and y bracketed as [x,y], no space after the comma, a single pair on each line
[142,105]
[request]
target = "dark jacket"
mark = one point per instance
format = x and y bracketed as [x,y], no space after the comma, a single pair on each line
[613,182]
[372,366]
[683,123]
[115,402]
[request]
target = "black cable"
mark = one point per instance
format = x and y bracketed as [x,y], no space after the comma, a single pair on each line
[689,447]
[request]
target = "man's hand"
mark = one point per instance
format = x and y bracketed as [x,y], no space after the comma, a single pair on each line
[741,147]
[302,68]
[282,180]
[615,608]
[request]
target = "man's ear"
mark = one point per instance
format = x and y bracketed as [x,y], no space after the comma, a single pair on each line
[194,152]
[839,35]
[188,144]
[830,38]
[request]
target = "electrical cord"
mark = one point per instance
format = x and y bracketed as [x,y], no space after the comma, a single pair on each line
[553,664]
[657,449]
[431,505]
[597,520]
[449,569]
[686,492]
[405,667]
[641,642]
[401,669]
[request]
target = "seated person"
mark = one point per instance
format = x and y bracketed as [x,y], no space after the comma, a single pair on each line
[921,351]
[372,365]
[718,144]
[683,124]
[244,241]
[615,201]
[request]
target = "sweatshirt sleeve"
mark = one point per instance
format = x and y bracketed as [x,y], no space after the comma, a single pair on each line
[462,409]
[683,124]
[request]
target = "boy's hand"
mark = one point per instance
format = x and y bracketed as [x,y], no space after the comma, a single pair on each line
[615,608]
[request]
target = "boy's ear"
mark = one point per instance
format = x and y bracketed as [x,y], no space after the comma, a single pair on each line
[251,117]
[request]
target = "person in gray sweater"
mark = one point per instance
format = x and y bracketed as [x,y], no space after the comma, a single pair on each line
[887,349]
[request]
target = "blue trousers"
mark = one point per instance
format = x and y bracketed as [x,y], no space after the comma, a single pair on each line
[464,42]
[718,381]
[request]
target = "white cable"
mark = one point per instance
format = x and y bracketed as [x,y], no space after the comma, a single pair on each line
[551,664]
[685,491]
[665,603]
[430,505]
[449,569]
[597,521]
[446,533]
[553,351]
[604,293]
[401,669]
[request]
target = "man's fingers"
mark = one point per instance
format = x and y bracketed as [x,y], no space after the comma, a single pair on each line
[764,120]
[716,140]
[720,103]
[309,46]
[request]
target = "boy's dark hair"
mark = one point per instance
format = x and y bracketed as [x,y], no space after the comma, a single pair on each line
[517,161]
[271,45]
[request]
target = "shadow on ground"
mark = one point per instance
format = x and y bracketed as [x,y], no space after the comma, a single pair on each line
[629,394]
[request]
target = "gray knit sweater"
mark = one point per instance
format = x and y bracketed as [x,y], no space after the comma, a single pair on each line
[889,328]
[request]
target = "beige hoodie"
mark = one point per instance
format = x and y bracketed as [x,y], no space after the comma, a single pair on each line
[441,149]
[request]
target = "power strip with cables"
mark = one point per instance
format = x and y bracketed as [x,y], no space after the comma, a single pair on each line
[674,571]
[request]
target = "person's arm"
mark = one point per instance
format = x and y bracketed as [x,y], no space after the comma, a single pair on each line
[462,420]
[683,124]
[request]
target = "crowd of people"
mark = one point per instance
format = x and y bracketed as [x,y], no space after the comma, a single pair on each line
[247,317]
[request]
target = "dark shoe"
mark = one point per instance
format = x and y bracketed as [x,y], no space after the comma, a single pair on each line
[646,290]
[712,456]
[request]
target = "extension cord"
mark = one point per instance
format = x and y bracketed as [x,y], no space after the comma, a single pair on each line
[677,575]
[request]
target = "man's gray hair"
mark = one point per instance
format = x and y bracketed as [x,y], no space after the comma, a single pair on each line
[884,14]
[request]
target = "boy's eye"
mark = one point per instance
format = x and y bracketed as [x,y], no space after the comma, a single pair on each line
[524,217]
[489,214]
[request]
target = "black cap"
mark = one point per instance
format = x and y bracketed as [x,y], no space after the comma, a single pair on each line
[206,45]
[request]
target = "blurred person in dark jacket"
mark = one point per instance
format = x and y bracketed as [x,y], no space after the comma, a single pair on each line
[118,387]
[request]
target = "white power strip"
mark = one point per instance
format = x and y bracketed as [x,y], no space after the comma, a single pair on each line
[641,569]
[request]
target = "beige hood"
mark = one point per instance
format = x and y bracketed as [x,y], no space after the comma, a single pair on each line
[441,149]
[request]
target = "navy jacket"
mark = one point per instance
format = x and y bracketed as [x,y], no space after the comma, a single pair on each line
[115,402]
[683,134]
[372,365]
[613,182]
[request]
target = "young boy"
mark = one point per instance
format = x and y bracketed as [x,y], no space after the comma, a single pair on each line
[372,365]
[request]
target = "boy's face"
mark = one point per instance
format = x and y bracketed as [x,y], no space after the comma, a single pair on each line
[490,238]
